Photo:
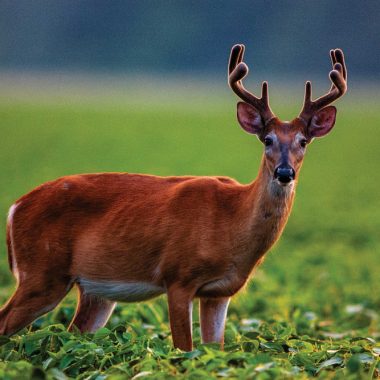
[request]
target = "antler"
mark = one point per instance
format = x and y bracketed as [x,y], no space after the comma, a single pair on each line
[338,78]
[237,70]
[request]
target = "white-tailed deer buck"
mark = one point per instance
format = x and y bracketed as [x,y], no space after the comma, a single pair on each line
[130,237]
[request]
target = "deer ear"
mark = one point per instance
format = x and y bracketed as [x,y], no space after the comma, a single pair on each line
[322,122]
[249,118]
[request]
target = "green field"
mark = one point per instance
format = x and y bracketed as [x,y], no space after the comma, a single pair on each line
[313,307]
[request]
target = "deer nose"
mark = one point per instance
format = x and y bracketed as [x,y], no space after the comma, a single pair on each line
[284,174]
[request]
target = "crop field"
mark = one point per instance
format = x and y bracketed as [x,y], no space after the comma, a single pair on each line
[311,310]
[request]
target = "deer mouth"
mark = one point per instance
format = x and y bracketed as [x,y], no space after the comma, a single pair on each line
[283,183]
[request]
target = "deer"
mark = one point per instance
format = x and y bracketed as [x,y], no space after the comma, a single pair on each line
[123,237]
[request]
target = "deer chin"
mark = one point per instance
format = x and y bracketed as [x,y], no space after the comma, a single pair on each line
[280,189]
[289,184]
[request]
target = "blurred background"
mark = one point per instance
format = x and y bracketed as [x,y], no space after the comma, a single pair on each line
[106,43]
[284,37]
[141,86]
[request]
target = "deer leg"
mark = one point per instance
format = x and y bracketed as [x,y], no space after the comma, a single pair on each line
[180,315]
[29,302]
[213,312]
[92,312]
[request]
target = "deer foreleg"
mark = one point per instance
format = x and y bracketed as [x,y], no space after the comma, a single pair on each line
[213,312]
[180,315]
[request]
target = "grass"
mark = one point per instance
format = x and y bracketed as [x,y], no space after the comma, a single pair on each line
[312,308]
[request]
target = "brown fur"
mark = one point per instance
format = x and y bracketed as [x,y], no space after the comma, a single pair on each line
[182,233]
[185,236]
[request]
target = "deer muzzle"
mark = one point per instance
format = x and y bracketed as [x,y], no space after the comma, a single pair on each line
[284,174]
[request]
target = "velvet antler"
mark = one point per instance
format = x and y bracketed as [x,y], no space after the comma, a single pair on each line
[237,70]
[338,78]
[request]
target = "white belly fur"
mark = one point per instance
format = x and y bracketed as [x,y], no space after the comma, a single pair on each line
[121,291]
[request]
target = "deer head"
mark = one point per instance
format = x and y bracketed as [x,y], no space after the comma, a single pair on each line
[285,142]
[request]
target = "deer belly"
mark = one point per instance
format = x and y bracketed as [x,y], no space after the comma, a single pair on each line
[224,287]
[121,291]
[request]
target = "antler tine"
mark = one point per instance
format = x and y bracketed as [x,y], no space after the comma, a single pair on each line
[237,70]
[338,77]
[337,56]
[237,53]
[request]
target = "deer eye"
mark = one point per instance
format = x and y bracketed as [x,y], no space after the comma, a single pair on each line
[303,143]
[268,141]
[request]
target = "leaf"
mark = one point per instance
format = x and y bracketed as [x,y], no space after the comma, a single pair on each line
[335,361]
[38,335]
[102,333]
[192,354]
[365,358]
[46,363]
[4,340]
[300,345]
[263,367]
[356,349]
[371,372]
[69,345]
[57,374]
[66,361]
[251,346]
[259,359]
[31,346]
[272,346]
[251,322]
[303,360]
[142,374]
[333,335]
[354,309]
[358,338]
[355,361]
[251,335]
[353,364]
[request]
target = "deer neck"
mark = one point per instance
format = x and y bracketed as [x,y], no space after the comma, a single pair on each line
[268,198]
[268,205]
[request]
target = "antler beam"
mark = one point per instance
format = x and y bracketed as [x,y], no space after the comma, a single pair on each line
[237,70]
[338,77]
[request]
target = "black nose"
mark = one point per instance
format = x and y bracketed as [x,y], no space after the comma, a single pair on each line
[284,174]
